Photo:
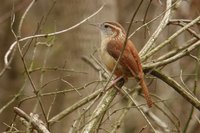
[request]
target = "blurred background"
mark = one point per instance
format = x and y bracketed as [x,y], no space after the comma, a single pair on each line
[55,63]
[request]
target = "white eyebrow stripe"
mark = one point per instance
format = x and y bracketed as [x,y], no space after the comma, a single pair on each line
[115,27]
[120,32]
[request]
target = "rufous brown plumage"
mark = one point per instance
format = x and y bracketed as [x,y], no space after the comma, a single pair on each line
[112,40]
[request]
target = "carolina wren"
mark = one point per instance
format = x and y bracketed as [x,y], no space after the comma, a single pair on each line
[112,40]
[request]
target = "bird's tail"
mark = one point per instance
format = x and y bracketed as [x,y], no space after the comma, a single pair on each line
[145,91]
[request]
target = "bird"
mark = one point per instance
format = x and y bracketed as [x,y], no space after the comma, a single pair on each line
[113,37]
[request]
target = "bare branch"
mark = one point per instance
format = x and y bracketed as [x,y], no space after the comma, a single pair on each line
[33,119]
[160,28]
[157,48]
[24,15]
[171,82]
[179,55]
[100,111]
[6,60]
[75,106]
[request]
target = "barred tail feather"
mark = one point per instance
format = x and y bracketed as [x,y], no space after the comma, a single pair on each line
[145,92]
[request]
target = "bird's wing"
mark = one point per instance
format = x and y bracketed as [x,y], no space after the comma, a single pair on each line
[129,59]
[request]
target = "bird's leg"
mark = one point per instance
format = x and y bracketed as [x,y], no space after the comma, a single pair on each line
[120,82]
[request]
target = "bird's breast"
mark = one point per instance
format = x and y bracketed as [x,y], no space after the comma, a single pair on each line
[109,61]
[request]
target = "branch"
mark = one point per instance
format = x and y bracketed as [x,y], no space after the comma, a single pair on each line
[100,111]
[33,119]
[156,49]
[154,19]
[7,61]
[155,35]
[121,117]
[175,51]
[173,58]
[24,15]
[75,106]
[12,100]
[177,87]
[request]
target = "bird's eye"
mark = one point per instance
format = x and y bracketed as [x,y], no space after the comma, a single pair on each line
[106,26]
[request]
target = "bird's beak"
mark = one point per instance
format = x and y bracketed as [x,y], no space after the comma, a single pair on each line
[95,24]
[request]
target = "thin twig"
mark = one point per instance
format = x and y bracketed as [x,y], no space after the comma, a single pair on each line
[179,55]
[171,82]
[146,24]
[75,106]
[162,25]
[121,117]
[24,16]
[175,51]
[13,99]
[26,70]
[140,110]
[7,61]
[194,91]
[101,108]
[157,48]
